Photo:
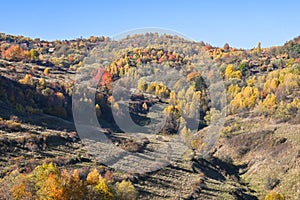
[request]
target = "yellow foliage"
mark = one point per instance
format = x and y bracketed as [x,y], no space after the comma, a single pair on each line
[10,124]
[196,144]
[283,80]
[116,106]
[144,106]
[169,109]
[60,96]
[98,110]
[268,105]
[142,85]
[125,191]
[93,177]
[52,189]
[103,190]
[271,85]
[275,196]
[42,82]
[48,182]
[186,135]
[252,81]
[230,72]
[26,80]
[233,90]
[245,99]
[46,71]
[20,189]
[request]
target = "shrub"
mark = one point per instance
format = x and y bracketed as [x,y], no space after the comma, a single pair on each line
[34,54]
[230,72]
[13,53]
[103,190]
[125,191]
[274,196]
[27,80]
[93,177]
[245,99]
[46,71]
[10,125]
[48,182]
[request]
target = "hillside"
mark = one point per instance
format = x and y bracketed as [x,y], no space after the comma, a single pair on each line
[214,123]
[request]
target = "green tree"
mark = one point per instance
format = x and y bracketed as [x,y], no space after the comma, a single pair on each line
[34,54]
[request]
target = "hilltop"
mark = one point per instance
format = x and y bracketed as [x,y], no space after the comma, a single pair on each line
[257,151]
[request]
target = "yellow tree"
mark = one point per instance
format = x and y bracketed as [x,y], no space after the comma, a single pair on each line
[125,191]
[230,72]
[48,182]
[103,190]
[93,177]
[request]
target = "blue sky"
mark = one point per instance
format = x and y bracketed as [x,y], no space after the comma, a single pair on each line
[240,23]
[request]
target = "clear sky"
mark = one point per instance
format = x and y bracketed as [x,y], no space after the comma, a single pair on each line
[240,23]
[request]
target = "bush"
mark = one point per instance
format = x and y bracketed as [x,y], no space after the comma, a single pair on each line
[93,177]
[46,71]
[48,182]
[10,125]
[231,72]
[103,190]
[14,53]
[274,196]
[125,191]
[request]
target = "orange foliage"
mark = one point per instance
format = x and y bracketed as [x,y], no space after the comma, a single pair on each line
[20,189]
[14,53]
[104,77]
[193,75]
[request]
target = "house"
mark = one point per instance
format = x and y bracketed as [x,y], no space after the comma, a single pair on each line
[51,50]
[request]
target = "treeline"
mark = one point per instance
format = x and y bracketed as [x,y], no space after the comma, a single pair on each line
[49,182]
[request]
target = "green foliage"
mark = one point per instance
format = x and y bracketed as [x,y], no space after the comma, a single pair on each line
[34,54]
[243,67]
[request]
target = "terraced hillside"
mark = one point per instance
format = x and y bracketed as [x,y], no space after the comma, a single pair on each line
[252,96]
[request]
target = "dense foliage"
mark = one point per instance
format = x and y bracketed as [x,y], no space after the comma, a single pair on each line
[37,77]
[48,182]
